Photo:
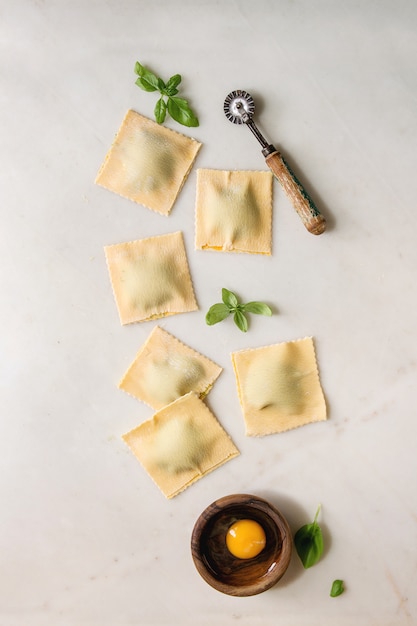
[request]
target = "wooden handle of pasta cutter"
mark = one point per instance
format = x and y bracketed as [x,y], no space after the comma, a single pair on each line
[303,204]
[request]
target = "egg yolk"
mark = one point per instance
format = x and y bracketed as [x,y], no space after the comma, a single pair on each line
[245,539]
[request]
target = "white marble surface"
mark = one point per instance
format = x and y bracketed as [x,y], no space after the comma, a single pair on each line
[86,538]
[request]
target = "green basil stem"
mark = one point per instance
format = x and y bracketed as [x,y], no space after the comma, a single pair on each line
[317,514]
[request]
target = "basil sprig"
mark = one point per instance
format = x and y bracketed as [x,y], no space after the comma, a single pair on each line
[308,541]
[337,588]
[178,108]
[232,306]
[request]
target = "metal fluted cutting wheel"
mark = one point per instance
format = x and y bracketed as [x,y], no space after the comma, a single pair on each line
[232,112]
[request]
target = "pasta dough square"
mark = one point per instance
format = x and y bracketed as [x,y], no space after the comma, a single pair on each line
[150,278]
[166,369]
[148,163]
[234,211]
[279,387]
[180,444]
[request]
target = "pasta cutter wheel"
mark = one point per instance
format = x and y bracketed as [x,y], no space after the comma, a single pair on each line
[239,108]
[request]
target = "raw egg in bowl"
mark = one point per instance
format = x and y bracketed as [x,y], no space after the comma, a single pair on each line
[241,545]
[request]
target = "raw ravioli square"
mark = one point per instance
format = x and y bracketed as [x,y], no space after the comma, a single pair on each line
[180,444]
[234,211]
[166,369]
[148,163]
[279,387]
[150,278]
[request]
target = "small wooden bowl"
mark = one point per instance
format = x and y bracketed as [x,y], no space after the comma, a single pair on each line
[226,573]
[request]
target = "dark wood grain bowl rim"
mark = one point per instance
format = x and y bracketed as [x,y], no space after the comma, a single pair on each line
[246,578]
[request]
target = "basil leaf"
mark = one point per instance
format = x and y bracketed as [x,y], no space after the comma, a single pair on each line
[160,110]
[240,320]
[180,111]
[229,298]
[147,79]
[172,84]
[259,308]
[308,541]
[147,84]
[337,588]
[143,84]
[139,68]
[217,313]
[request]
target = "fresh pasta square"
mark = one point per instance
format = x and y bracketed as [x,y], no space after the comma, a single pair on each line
[148,163]
[234,211]
[165,369]
[150,278]
[279,387]
[180,444]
